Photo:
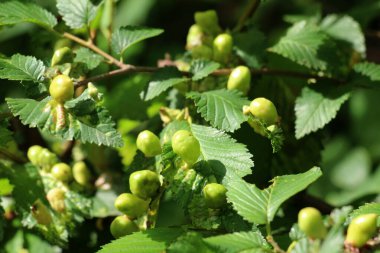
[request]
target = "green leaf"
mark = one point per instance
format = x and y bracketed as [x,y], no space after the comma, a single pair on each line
[150,241]
[302,44]
[260,206]
[36,244]
[357,163]
[201,216]
[202,68]
[14,12]
[82,105]
[96,127]
[186,189]
[15,243]
[103,204]
[239,242]
[185,184]
[305,245]
[29,188]
[222,152]
[315,108]
[368,186]
[5,187]
[78,204]
[161,81]
[250,46]
[189,243]
[76,13]
[369,70]
[127,36]
[365,209]
[222,108]
[22,68]
[86,56]
[345,28]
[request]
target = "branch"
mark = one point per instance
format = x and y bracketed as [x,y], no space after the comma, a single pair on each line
[17,159]
[126,69]
[94,48]
[220,72]
[67,150]
[274,244]
[249,11]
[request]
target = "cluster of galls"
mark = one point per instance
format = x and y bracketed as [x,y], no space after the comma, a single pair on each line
[144,186]
[79,176]
[360,230]
[263,116]
[187,147]
[205,40]
[61,87]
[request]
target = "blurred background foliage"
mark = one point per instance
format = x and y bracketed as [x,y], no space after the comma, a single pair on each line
[348,149]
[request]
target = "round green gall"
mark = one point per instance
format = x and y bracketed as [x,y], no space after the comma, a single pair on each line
[186,146]
[264,110]
[81,173]
[144,183]
[62,43]
[61,88]
[239,79]
[361,229]
[148,143]
[222,47]
[93,91]
[56,198]
[33,154]
[61,172]
[194,37]
[208,21]
[46,159]
[311,223]
[122,226]
[131,205]
[215,195]
[61,55]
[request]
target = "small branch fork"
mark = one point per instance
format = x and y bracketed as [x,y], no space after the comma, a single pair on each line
[127,68]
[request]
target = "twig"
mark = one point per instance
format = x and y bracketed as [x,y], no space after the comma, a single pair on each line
[248,12]
[126,69]
[67,150]
[375,34]
[274,244]
[94,48]
[220,72]
[12,157]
